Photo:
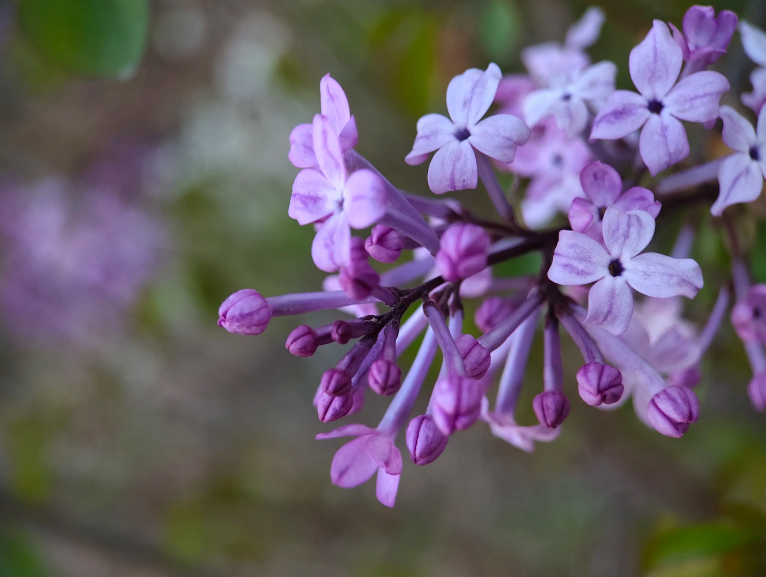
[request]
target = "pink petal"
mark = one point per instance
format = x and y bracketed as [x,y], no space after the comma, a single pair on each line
[313,197]
[364,198]
[581,214]
[434,131]
[738,133]
[740,180]
[601,184]
[349,136]
[334,103]
[656,62]
[469,95]
[539,104]
[663,142]
[352,465]
[332,243]
[624,113]
[754,42]
[453,167]
[586,30]
[660,276]
[353,430]
[302,146]
[328,152]
[577,259]
[696,97]
[610,305]
[638,198]
[384,453]
[386,488]
[498,136]
[595,82]
[627,233]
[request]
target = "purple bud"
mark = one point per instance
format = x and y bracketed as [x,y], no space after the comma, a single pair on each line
[672,410]
[456,403]
[491,312]
[756,390]
[302,342]
[551,408]
[336,382]
[384,244]
[599,384]
[341,332]
[358,278]
[463,252]
[331,409]
[475,357]
[385,377]
[424,440]
[245,312]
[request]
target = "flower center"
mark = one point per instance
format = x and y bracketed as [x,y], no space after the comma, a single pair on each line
[655,106]
[755,154]
[616,268]
[601,212]
[756,312]
[566,97]
[462,134]
[557,160]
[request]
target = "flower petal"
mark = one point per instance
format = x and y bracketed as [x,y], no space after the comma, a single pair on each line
[674,351]
[601,183]
[349,136]
[384,453]
[761,126]
[627,233]
[313,197]
[353,430]
[754,100]
[656,62]
[539,104]
[623,113]
[352,465]
[595,82]
[328,152]
[364,198]
[663,142]
[660,276]
[610,305]
[498,136]
[302,146]
[581,214]
[586,30]
[453,167]
[738,133]
[754,42]
[334,103]
[739,180]
[550,64]
[386,488]
[696,97]
[571,115]
[434,131]
[638,198]
[577,260]
[332,243]
[469,95]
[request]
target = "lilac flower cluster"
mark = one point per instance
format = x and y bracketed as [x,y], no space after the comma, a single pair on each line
[584,150]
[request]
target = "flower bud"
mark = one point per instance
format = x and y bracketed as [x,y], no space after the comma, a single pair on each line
[463,252]
[491,312]
[245,312]
[331,408]
[359,279]
[302,341]
[456,403]
[599,384]
[551,408]
[384,244]
[385,377]
[672,410]
[424,440]
[343,331]
[336,382]
[756,390]
[475,357]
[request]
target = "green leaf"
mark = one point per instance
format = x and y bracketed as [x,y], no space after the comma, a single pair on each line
[19,559]
[103,38]
[499,29]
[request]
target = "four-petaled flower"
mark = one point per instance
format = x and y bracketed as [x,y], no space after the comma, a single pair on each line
[579,260]
[454,167]
[740,176]
[654,67]
[336,197]
[705,37]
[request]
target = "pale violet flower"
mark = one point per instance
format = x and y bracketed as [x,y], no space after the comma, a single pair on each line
[454,139]
[705,38]
[661,103]
[579,260]
[754,44]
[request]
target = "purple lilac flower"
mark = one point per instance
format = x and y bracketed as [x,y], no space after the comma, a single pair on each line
[705,38]
[754,44]
[579,260]
[454,167]
[661,103]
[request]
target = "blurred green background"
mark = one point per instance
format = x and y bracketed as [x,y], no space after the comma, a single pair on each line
[171,448]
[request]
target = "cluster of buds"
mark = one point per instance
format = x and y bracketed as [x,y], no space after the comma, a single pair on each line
[587,152]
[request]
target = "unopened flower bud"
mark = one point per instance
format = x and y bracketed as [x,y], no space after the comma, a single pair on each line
[551,408]
[344,331]
[756,390]
[359,280]
[456,403]
[385,377]
[331,408]
[599,384]
[245,312]
[424,440]
[463,252]
[302,341]
[336,382]
[384,244]
[491,312]
[672,410]
[475,357]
